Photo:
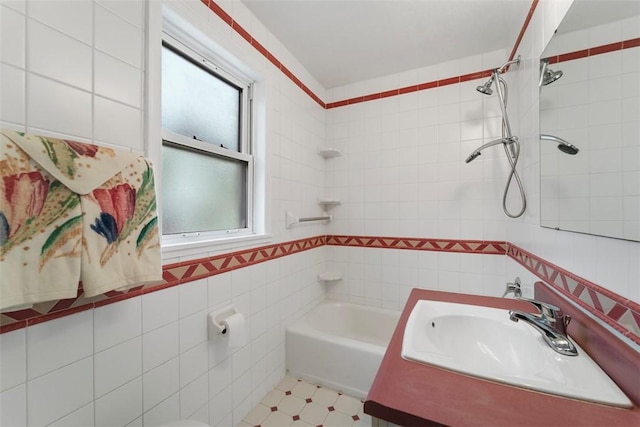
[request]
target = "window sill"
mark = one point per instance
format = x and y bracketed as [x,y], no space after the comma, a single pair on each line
[209,247]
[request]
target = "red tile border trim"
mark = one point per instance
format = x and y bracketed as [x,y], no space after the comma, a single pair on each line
[219,11]
[597,50]
[523,30]
[620,313]
[412,243]
[173,275]
[178,273]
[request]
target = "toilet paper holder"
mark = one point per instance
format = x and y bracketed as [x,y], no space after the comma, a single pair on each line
[215,327]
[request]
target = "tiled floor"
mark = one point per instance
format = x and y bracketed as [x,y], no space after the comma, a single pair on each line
[297,403]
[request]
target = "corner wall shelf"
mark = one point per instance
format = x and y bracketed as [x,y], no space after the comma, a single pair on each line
[329,152]
[330,276]
[328,202]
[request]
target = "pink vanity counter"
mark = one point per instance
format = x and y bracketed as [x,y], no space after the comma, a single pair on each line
[413,394]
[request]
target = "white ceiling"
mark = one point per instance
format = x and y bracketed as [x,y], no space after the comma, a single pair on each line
[346,41]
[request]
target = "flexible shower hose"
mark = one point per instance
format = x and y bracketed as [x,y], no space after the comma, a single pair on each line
[513,154]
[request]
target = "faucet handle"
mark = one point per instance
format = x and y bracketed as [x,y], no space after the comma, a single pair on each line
[548,312]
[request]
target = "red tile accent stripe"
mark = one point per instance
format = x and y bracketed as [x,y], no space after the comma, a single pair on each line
[440,245]
[173,275]
[616,310]
[597,50]
[571,286]
[523,30]
[219,11]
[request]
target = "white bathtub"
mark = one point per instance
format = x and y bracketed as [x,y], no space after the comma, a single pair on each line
[340,345]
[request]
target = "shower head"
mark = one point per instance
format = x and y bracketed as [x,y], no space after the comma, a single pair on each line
[547,75]
[563,145]
[486,88]
[550,76]
[472,157]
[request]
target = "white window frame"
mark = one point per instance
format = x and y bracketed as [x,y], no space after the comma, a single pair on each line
[165,21]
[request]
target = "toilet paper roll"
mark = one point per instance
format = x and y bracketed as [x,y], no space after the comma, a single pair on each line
[236,330]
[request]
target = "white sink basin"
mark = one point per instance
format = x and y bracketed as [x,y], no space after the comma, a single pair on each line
[483,342]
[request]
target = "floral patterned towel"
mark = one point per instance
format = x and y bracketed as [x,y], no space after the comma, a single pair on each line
[73,212]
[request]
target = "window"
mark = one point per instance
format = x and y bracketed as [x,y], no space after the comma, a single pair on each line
[207,162]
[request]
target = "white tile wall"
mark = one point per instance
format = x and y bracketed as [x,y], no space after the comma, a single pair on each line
[62,57]
[46,111]
[117,80]
[60,392]
[70,17]
[12,31]
[14,406]
[12,102]
[58,343]
[116,323]
[57,56]
[117,365]
[13,363]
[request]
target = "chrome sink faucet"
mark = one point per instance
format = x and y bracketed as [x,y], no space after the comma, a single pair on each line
[550,322]
[514,288]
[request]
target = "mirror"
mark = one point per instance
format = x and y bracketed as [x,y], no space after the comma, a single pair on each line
[593,105]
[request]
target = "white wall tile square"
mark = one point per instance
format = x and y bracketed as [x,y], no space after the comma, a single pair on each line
[193,364]
[118,38]
[70,17]
[159,308]
[58,56]
[59,342]
[193,297]
[57,107]
[58,393]
[117,123]
[219,289]
[241,388]
[13,359]
[220,407]
[130,10]
[117,323]
[193,330]
[12,102]
[12,37]
[160,383]
[128,401]
[220,376]
[13,402]
[160,345]
[194,396]
[81,418]
[167,410]
[117,365]
[117,80]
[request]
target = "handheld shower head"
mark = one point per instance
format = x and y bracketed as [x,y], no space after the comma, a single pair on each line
[563,145]
[472,156]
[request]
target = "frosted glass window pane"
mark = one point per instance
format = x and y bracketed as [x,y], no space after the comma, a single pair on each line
[201,192]
[197,103]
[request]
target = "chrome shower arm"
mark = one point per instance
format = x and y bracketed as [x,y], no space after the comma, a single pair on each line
[506,64]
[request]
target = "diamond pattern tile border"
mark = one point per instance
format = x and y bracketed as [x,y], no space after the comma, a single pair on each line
[620,313]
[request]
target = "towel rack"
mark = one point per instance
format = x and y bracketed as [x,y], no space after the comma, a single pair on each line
[291,219]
